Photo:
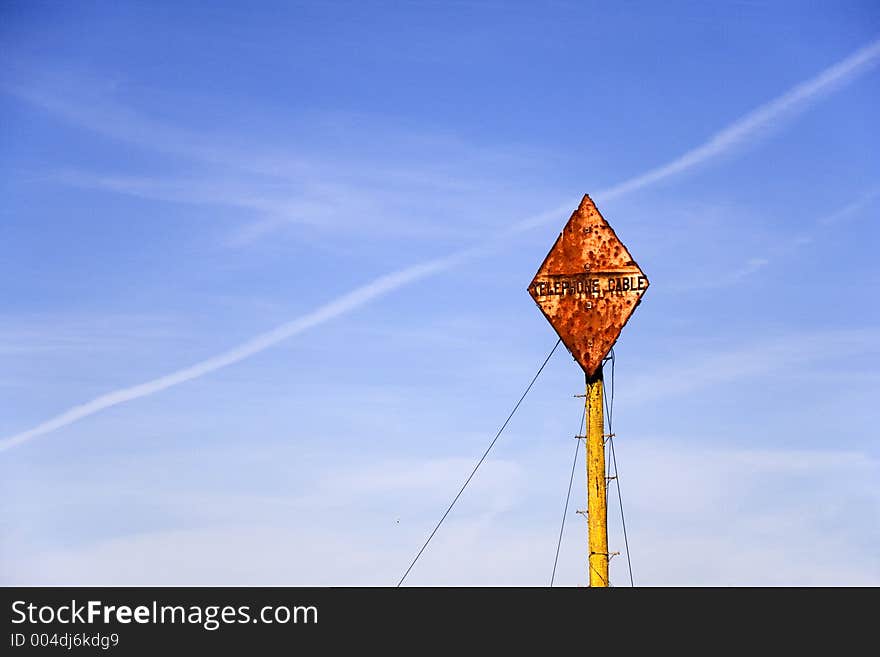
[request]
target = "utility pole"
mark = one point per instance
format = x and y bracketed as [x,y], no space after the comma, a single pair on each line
[588,287]
[597,490]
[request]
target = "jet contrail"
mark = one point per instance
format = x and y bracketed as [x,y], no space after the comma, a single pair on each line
[758,119]
[733,135]
[344,304]
[747,126]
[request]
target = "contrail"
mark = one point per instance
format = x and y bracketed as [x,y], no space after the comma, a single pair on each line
[733,135]
[757,120]
[737,133]
[344,304]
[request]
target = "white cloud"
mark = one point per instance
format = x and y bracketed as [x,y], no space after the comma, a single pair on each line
[697,514]
[706,515]
[722,364]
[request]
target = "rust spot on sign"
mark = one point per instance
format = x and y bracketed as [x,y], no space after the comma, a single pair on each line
[588,286]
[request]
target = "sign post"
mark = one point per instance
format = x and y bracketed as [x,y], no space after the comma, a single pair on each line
[588,287]
[597,489]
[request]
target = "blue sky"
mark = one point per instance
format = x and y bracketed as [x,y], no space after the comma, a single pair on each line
[264,275]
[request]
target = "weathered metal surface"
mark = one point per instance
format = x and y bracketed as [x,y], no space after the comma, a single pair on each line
[588,286]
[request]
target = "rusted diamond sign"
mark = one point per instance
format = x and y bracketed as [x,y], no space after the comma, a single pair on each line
[588,286]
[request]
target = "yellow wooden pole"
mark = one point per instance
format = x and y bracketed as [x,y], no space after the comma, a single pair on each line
[597,508]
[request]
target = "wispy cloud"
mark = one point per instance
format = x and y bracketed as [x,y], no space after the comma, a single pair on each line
[319,201]
[381,175]
[851,208]
[748,127]
[734,509]
[742,516]
[785,246]
[725,363]
[310,202]
[85,103]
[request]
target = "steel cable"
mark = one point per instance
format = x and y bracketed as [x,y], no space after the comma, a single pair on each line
[577,449]
[480,462]
[610,408]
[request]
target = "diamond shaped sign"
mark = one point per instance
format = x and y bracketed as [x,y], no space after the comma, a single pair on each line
[588,286]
